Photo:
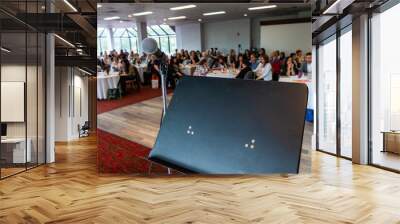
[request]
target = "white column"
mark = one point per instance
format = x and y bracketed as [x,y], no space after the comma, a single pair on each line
[111,40]
[141,33]
[50,100]
[360,90]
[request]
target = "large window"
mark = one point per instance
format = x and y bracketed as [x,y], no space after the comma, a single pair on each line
[335,94]
[165,37]
[126,39]
[385,89]
[327,96]
[103,40]
[346,93]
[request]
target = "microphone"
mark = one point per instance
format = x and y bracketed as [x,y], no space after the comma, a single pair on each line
[150,46]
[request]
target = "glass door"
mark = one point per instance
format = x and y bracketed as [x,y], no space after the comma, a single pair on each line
[385,89]
[327,93]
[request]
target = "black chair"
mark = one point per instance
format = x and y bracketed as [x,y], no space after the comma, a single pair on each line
[84,130]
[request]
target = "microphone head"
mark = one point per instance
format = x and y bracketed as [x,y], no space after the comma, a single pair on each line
[149,46]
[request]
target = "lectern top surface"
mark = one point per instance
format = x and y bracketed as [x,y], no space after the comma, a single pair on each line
[228,126]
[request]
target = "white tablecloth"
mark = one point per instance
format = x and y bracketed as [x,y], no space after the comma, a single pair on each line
[219,74]
[188,69]
[141,68]
[104,83]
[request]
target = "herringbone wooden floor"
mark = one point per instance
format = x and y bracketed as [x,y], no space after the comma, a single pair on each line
[71,191]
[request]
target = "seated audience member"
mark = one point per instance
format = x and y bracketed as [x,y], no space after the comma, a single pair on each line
[129,72]
[282,59]
[291,68]
[106,69]
[131,56]
[245,72]
[115,68]
[261,52]
[193,58]
[179,59]
[293,57]
[240,62]
[198,54]
[264,69]
[173,73]
[306,67]
[276,65]
[299,56]
[232,58]
[201,68]
[253,62]
[209,60]
[143,58]
[186,55]
[246,55]
[221,64]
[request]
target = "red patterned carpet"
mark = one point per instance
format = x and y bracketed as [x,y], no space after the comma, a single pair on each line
[134,97]
[118,155]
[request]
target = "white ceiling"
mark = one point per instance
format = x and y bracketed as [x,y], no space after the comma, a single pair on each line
[162,11]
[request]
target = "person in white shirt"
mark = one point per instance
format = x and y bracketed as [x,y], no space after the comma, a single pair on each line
[264,69]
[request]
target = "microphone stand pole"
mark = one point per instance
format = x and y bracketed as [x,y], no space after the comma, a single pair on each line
[163,74]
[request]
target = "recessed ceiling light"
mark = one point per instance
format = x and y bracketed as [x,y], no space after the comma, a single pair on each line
[121,21]
[200,20]
[182,7]
[5,50]
[99,5]
[245,14]
[262,7]
[213,13]
[142,13]
[65,41]
[176,18]
[165,19]
[129,16]
[112,18]
[70,5]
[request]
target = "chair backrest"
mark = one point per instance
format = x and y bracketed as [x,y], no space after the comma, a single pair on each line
[249,75]
[86,125]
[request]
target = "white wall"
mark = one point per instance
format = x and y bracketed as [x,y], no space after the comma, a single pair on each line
[188,36]
[256,28]
[71,94]
[227,35]
[286,37]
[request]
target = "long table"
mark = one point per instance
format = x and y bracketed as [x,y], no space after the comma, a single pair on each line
[219,74]
[104,83]
[141,68]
